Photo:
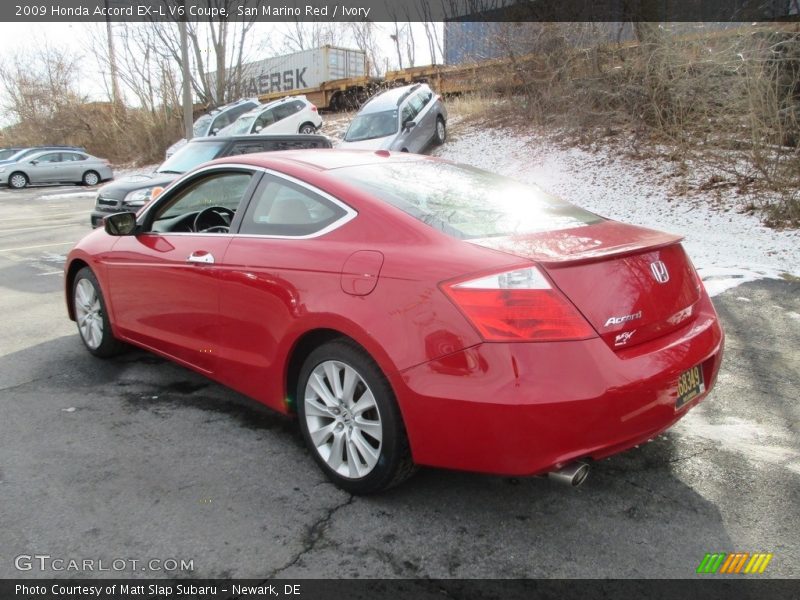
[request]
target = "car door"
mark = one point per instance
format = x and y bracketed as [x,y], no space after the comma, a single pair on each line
[426,119]
[264,120]
[407,137]
[164,282]
[72,165]
[283,120]
[44,168]
[422,132]
[277,269]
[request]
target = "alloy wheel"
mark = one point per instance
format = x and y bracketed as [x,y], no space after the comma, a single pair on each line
[18,181]
[343,419]
[89,313]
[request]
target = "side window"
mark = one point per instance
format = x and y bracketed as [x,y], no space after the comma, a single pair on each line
[425,96]
[224,190]
[49,158]
[408,113]
[221,121]
[282,208]
[298,105]
[265,119]
[416,102]
[283,111]
[246,148]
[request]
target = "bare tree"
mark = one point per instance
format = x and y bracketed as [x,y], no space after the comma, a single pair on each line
[218,78]
[363,34]
[39,86]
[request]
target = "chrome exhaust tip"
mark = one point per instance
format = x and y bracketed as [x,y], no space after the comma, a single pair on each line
[573,474]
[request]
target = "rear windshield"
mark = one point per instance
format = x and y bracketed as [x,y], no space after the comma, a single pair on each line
[191,155]
[372,125]
[465,202]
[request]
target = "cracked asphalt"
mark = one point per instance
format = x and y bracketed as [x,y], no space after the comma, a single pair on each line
[137,458]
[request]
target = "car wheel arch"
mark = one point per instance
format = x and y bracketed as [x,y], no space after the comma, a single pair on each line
[311,339]
[75,266]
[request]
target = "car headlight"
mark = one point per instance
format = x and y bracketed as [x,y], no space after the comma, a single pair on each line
[138,198]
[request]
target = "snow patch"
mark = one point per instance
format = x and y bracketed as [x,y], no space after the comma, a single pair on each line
[750,439]
[83,194]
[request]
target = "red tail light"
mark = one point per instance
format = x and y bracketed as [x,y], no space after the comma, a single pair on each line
[518,306]
[313,108]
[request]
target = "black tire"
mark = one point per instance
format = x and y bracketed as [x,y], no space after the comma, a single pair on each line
[394,464]
[106,345]
[307,129]
[18,180]
[440,135]
[91,178]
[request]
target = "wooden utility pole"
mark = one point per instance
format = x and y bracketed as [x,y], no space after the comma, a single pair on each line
[112,61]
[187,81]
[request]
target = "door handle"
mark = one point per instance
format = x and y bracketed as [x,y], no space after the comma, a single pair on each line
[201,257]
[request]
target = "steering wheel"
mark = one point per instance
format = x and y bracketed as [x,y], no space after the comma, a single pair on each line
[214,219]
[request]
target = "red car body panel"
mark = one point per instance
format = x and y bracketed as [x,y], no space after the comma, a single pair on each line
[514,408]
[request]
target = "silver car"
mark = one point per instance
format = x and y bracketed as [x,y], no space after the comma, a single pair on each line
[56,167]
[407,119]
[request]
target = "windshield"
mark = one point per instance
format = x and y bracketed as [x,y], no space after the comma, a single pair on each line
[201,126]
[372,125]
[241,126]
[191,155]
[465,202]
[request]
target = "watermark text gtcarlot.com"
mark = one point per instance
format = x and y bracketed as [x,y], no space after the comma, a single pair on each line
[45,562]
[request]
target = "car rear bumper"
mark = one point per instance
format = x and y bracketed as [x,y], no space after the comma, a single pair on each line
[528,408]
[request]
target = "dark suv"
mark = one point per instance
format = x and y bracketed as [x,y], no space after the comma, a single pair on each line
[133,192]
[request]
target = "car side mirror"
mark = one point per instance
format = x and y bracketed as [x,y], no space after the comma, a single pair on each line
[411,123]
[215,131]
[123,223]
[259,128]
[34,162]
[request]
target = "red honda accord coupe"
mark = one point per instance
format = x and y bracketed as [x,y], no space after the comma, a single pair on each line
[410,311]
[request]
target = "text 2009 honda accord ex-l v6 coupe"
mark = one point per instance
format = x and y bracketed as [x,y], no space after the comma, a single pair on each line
[410,311]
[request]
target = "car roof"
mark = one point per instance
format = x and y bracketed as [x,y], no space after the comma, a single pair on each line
[215,111]
[389,99]
[261,108]
[41,151]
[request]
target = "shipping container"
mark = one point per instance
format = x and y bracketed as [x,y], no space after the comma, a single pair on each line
[303,70]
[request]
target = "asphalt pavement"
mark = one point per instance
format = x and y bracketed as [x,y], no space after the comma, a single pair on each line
[137,459]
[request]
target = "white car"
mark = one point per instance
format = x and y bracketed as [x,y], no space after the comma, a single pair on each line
[214,121]
[289,115]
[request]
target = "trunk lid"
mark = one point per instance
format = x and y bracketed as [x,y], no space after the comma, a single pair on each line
[631,283]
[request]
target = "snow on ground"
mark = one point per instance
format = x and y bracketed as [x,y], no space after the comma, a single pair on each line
[127,171]
[728,248]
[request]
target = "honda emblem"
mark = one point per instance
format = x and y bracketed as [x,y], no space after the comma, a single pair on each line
[659,271]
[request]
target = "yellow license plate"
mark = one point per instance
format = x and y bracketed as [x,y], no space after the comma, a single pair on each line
[690,386]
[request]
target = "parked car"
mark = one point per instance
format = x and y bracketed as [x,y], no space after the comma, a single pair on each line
[133,192]
[409,311]
[56,167]
[287,115]
[407,118]
[215,120]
